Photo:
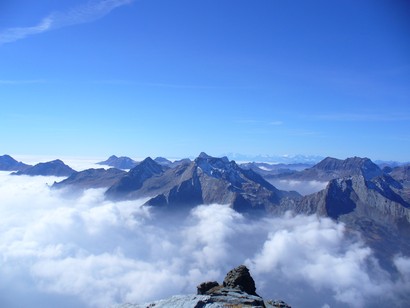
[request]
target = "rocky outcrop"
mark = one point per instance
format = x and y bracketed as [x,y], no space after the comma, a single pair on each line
[51,168]
[240,278]
[204,287]
[234,292]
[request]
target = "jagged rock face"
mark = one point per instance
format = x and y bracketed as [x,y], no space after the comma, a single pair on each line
[91,178]
[240,278]
[378,199]
[332,168]
[206,180]
[8,163]
[213,180]
[134,179]
[401,173]
[122,162]
[204,287]
[52,168]
[375,208]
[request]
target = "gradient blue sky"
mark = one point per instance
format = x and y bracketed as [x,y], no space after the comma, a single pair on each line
[177,77]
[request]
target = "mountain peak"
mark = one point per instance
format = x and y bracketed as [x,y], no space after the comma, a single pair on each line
[204,155]
[149,162]
[55,168]
[8,163]
[332,168]
[135,178]
[122,162]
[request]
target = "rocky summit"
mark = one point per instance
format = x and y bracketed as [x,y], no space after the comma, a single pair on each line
[238,290]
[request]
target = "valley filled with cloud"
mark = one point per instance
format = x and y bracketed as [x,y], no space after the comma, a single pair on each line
[84,251]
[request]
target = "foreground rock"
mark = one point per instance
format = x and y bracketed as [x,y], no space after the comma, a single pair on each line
[237,290]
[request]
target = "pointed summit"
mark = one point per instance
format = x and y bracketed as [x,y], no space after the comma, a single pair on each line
[134,179]
[8,163]
[204,155]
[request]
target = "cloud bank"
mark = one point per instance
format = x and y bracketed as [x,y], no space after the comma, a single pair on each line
[84,251]
[302,187]
[88,12]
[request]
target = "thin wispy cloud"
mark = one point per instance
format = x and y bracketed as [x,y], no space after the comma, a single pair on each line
[88,12]
[122,82]
[259,122]
[364,117]
[20,82]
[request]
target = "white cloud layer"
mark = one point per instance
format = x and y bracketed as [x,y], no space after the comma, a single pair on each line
[302,187]
[88,252]
[88,12]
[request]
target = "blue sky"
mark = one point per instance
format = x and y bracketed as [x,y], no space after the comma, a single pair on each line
[177,77]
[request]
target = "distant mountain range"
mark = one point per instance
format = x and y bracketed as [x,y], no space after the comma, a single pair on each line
[122,162]
[205,180]
[332,168]
[276,159]
[372,201]
[8,163]
[52,168]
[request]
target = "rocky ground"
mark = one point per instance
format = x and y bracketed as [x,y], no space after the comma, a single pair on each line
[237,291]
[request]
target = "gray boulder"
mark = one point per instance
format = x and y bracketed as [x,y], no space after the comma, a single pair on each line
[240,278]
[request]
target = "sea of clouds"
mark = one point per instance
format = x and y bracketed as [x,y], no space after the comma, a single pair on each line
[85,251]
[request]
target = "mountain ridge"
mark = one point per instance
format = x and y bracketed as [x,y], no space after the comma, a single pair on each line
[52,168]
[205,180]
[8,163]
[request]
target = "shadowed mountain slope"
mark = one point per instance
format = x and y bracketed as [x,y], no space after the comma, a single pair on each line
[91,178]
[376,208]
[51,168]
[8,163]
[205,180]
